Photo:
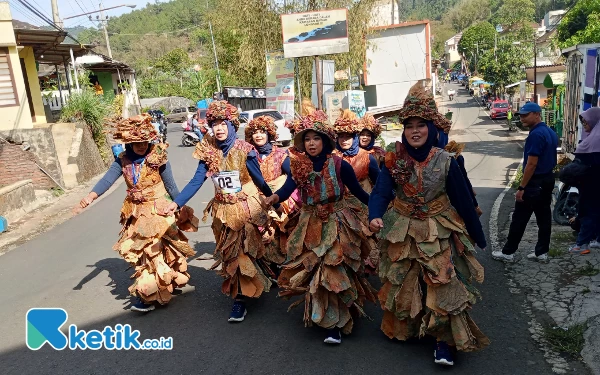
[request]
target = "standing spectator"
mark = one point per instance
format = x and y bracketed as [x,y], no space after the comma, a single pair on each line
[588,209]
[534,195]
[509,116]
[98,89]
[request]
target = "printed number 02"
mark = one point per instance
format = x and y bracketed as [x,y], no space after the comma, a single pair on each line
[225,183]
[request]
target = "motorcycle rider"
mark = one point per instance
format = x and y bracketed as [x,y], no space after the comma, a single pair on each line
[196,127]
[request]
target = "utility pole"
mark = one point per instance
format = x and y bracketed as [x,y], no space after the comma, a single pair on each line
[535,70]
[55,16]
[319,81]
[104,22]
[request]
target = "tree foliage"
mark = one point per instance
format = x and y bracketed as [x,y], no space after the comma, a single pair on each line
[502,66]
[515,13]
[580,25]
[475,40]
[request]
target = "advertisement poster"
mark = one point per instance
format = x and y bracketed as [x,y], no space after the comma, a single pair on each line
[356,102]
[280,84]
[315,33]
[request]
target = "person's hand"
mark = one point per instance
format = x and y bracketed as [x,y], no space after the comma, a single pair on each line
[169,210]
[478,210]
[88,199]
[482,248]
[375,225]
[519,195]
[269,201]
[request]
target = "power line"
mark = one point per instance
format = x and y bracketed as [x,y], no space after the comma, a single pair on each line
[23,12]
[46,19]
[162,33]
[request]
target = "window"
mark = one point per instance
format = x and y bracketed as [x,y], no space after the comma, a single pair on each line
[276,115]
[202,114]
[243,117]
[192,109]
[8,95]
[500,105]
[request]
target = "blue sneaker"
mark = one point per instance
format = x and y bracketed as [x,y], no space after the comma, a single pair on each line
[442,354]
[238,311]
[334,336]
[141,306]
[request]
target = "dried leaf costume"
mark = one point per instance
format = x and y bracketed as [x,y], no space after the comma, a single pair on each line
[427,255]
[366,169]
[368,122]
[274,167]
[236,210]
[327,248]
[155,245]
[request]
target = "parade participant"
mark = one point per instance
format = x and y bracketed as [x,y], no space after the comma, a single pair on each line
[326,250]
[456,150]
[232,165]
[151,243]
[427,258]
[275,167]
[366,169]
[371,130]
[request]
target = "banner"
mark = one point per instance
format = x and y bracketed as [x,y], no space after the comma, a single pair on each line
[280,84]
[315,33]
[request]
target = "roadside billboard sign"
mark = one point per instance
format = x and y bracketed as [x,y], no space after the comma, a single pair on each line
[280,84]
[322,32]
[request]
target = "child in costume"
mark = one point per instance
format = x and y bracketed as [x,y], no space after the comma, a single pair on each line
[151,243]
[427,257]
[327,248]
[371,130]
[366,168]
[275,167]
[237,214]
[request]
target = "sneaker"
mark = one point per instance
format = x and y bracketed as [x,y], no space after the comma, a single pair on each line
[595,244]
[238,312]
[141,306]
[579,249]
[442,354]
[538,258]
[499,255]
[334,336]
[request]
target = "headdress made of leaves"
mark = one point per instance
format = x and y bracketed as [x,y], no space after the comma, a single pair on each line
[264,123]
[347,123]
[421,103]
[135,129]
[370,123]
[316,121]
[221,110]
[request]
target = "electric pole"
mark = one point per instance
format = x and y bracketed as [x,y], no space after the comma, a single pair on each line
[55,16]
[104,22]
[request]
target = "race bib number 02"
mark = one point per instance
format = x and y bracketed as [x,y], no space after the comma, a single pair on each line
[227,182]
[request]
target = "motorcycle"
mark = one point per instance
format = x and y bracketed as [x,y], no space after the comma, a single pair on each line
[189,139]
[567,201]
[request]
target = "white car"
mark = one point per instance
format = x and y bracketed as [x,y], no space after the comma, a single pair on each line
[283,134]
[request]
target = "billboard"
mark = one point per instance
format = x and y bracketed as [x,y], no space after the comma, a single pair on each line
[315,33]
[280,84]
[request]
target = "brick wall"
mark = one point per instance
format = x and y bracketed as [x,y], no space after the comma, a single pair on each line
[17,165]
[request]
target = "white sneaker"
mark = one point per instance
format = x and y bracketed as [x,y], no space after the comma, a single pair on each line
[334,336]
[499,255]
[595,244]
[538,258]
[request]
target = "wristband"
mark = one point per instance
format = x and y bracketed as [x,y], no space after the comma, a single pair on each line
[520,188]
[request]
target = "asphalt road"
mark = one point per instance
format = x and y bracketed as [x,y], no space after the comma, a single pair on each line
[73,267]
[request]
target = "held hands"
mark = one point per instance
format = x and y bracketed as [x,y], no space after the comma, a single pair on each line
[269,201]
[169,210]
[375,225]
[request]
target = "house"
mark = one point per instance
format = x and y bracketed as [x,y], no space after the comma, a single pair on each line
[551,74]
[400,57]
[451,54]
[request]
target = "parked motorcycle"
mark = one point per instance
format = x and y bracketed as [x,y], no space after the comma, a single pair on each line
[567,201]
[189,139]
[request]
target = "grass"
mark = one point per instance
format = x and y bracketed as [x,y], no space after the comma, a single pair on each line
[586,291]
[518,178]
[559,243]
[588,270]
[57,192]
[568,340]
[556,252]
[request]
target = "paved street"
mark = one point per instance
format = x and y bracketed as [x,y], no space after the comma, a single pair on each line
[73,266]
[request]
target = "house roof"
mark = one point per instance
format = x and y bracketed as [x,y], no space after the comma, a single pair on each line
[48,46]
[107,65]
[557,68]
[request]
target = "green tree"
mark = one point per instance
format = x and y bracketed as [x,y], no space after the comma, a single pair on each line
[467,13]
[502,66]
[515,13]
[475,41]
[580,24]
[441,33]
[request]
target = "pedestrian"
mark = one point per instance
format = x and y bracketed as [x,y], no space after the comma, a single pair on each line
[274,163]
[233,167]
[509,116]
[151,243]
[588,208]
[327,249]
[371,130]
[534,194]
[366,168]
[427,257]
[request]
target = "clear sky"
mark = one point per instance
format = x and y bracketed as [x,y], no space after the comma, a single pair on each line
[68,8]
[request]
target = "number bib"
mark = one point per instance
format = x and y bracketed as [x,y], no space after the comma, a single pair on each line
[227,182]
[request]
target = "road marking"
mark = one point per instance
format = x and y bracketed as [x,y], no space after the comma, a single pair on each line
[493,224]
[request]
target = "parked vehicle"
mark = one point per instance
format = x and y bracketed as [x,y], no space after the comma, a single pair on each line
[181,114]
[499,109]
[567,200]
[189,138]
[283,134]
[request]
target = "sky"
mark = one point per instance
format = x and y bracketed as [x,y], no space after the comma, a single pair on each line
[68,8]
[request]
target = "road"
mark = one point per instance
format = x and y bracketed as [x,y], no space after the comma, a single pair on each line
[72,266]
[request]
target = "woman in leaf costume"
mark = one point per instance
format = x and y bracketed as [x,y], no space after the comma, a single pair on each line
[275,167]
[233,167]
[153,244]
[370,131]
[427,256]
[327,248]
[366,168]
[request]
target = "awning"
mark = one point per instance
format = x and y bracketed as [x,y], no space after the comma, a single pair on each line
[48,46]
[554,79]
[513,84]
